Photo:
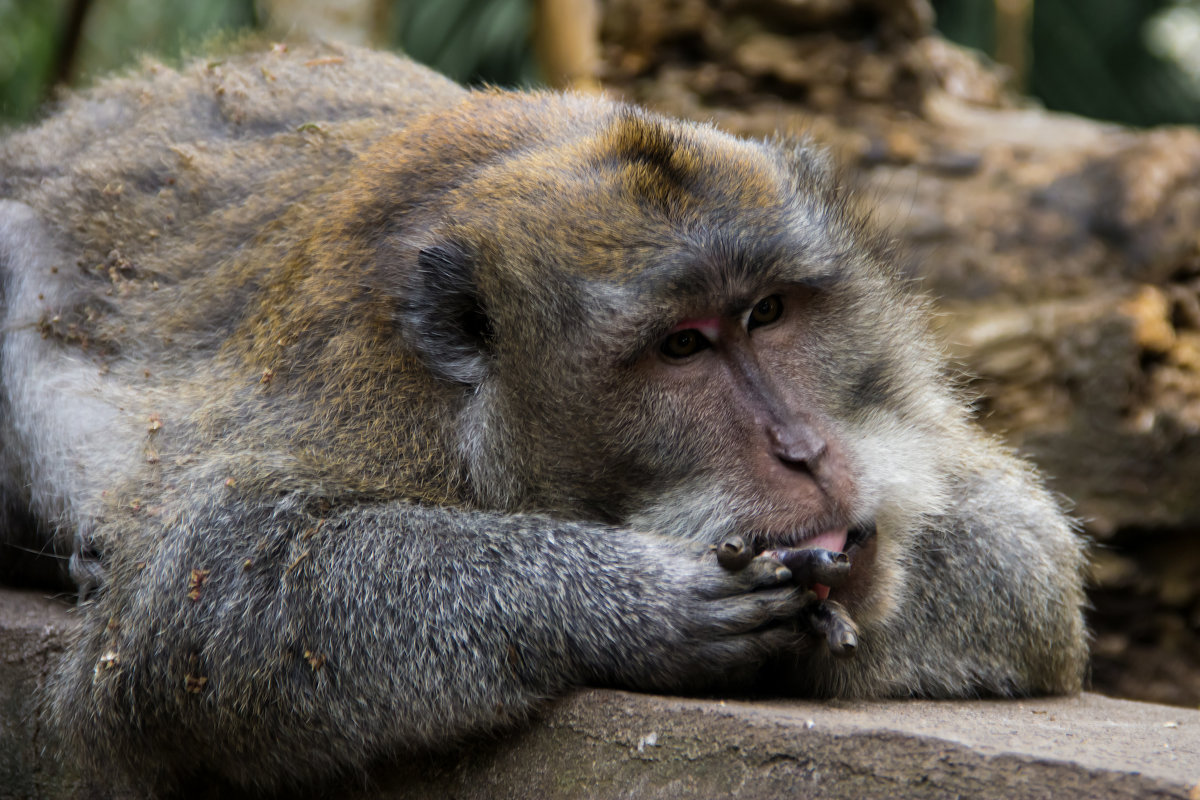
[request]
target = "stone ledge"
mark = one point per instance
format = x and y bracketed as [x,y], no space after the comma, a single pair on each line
[608,744]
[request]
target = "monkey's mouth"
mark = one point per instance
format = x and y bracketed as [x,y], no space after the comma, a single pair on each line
[828,557]
[838,540]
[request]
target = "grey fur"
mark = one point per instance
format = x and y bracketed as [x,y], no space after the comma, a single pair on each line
[320,518]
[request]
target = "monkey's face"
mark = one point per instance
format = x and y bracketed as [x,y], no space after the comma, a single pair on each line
[683,332]
[732,389]
[745,388]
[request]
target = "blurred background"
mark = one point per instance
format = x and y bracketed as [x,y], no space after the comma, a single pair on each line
[1130,61]
[45,42]
[1063,254]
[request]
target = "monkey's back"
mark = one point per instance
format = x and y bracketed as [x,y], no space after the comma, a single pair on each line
[122,217]
[207,155]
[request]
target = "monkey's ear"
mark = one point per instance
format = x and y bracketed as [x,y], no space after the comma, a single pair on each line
[443,318]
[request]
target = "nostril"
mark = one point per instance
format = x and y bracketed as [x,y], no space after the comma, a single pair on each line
[797,447]
[795,465]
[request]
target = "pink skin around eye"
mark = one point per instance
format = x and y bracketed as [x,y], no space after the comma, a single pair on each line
[710,326]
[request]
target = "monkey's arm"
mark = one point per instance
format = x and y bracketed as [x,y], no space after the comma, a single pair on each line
[989,601]
[253,639]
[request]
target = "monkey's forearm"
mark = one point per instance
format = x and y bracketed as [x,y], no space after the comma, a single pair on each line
[386,628]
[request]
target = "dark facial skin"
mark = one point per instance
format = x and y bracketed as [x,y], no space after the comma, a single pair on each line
[787,448]
[789,451]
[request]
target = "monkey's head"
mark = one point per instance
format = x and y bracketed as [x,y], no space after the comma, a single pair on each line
[658,325]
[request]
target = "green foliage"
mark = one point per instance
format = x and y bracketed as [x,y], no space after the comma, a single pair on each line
[1100,65]
[1123,60]
[1120,60]
[35,46]
[29,41]
[472,41]
[117,31]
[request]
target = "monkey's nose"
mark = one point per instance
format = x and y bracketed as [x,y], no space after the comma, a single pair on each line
[797,446]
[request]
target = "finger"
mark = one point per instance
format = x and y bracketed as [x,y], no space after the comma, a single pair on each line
[766,572]
[840,631]
[814,565]
[733,554]
[746,613]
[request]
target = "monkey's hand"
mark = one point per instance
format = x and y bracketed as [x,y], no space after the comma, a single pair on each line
[810,567]
[700,626]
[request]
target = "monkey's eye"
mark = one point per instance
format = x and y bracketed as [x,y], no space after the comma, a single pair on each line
[765,312]
[682,344]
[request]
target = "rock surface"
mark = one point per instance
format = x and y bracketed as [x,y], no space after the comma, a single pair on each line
[603,744]
[607,744]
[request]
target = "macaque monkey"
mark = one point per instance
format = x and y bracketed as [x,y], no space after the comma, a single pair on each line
[372,412]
